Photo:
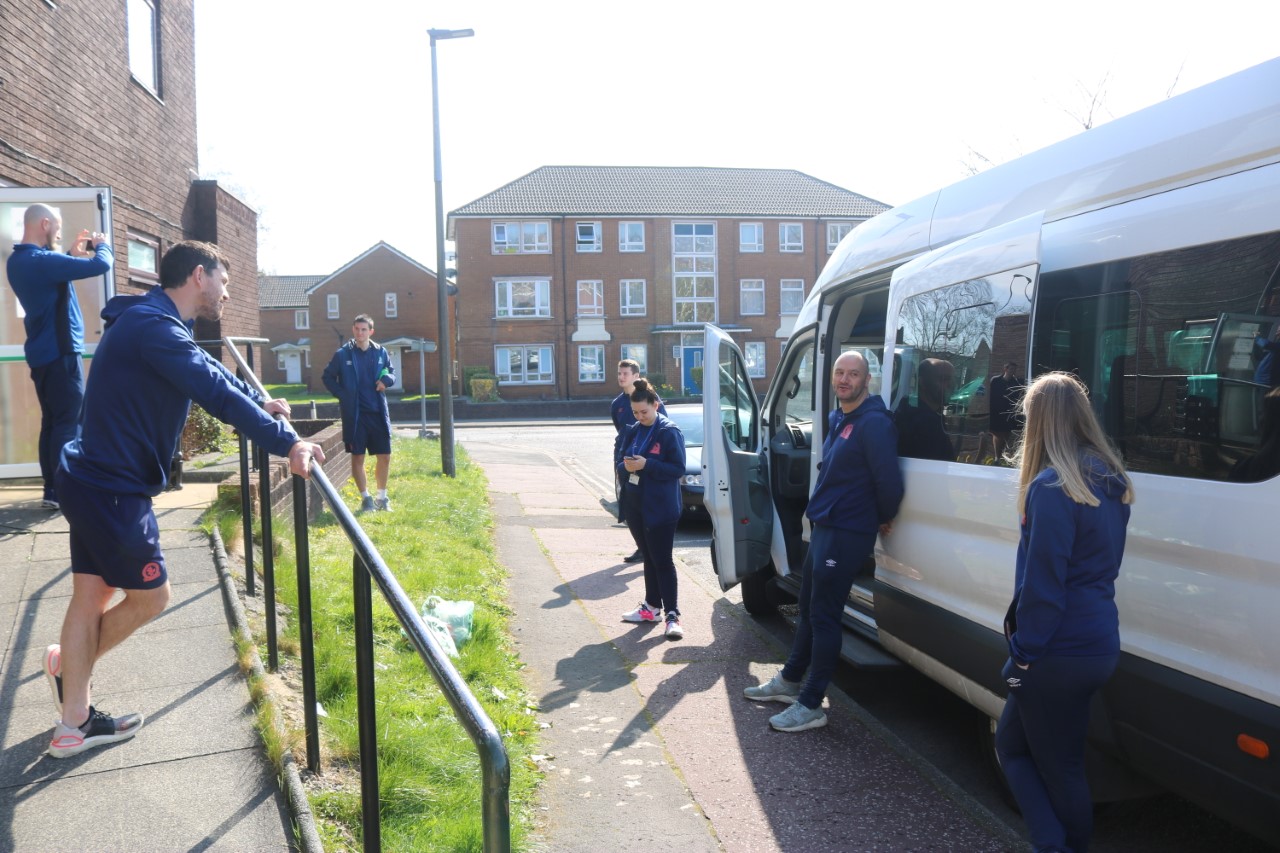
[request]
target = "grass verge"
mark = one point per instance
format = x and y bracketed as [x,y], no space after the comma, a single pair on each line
[437,540]
[301,394]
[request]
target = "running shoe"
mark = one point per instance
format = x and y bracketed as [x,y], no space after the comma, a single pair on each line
[674,631]
[798,718]
[643,613]
[366,504]
[635,557]
[776,689]
[99,730]
[52,666]
[382,504]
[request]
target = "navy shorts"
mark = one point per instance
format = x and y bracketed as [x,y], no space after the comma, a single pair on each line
[112,536]
[372,434]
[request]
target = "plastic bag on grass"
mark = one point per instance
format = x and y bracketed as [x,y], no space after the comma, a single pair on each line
[442,634]
[455,615]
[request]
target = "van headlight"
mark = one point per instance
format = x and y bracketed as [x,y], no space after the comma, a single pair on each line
[692,479]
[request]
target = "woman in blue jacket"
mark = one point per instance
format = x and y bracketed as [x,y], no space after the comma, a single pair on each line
[651,466]
[1063,628]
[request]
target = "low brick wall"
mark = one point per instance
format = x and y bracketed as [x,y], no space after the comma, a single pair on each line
[337,467]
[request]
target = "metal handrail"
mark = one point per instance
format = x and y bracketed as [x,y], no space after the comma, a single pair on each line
[368,564]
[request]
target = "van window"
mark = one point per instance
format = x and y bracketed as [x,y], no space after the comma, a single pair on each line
[952,342]
[1172,347]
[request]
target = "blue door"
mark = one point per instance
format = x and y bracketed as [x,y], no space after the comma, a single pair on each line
[691,357]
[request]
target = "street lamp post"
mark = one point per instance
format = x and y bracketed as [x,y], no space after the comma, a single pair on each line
[442,298]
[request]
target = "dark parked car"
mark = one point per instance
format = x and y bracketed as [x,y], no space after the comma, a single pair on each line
[688,416]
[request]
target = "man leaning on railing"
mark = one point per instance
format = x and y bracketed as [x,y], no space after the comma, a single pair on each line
[146,372]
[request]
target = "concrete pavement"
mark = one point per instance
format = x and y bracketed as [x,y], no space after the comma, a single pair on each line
[650,742]
[195,778]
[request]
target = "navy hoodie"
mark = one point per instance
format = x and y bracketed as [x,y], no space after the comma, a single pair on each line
[1065,578]
[146,372]
[658,493]
[859,483]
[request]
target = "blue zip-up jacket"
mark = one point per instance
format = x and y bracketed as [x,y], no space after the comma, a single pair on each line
[146,372]
[662,445]
[340,378]
[859,484]
[42,278]
[1065,581]
[620,410]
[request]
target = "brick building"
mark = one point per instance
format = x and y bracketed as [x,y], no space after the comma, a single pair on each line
[568,269]
[103,96]
[308,317]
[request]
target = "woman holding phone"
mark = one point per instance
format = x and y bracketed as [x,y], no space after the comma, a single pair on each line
[1063,628]
[651,467]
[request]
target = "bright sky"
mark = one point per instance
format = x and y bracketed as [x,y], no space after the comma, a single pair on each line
[318,112]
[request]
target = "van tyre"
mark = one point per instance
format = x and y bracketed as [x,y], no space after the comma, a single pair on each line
[758,596]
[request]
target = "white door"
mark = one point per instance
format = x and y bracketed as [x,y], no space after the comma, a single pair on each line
[80,208]
[293,368]
[735,469]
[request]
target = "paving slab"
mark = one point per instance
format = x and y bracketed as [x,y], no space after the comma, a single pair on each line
[646,732]
[196,777]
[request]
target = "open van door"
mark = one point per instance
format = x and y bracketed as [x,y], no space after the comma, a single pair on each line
[80,208]
[735,468]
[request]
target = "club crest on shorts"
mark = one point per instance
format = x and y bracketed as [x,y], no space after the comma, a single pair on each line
[150,572]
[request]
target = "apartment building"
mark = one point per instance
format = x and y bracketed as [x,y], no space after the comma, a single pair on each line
[567,270]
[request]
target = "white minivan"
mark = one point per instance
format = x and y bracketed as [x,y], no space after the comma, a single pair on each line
[1144,256]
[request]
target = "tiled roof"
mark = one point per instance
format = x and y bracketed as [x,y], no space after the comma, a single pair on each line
[285,291]
[669,191]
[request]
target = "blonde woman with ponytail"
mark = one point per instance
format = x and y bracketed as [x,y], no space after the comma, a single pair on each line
[1063,628]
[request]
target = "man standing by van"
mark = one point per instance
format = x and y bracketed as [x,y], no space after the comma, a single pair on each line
[857,495]
[620,411]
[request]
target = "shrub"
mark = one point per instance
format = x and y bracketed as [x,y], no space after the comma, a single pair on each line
[203,433]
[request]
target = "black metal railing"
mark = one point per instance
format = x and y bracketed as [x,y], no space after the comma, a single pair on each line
[367,566]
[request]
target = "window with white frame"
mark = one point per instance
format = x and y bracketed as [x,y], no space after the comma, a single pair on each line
[591,363]
[790,237]
[279,361]
[331,306]
[302,318]
[588,236]
[639,353]
[751,237]
[753,354]
[144,257]
[144,42]
[519,297]
[591,299]
[836,232]
[522,238]
[792,295]
[751,296]
[630,236]
[693,267]
[632,297]
[306,357]
[524,365]
[390,305]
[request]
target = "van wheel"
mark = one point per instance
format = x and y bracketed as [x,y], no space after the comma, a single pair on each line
[756,595]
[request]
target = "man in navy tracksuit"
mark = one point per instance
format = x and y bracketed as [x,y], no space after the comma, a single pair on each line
[146,372]
[359,375]
[41,277]
[857,495]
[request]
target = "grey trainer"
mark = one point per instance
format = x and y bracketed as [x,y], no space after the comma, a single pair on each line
[797,718]
[382,504]
[776,689]
[366,504]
